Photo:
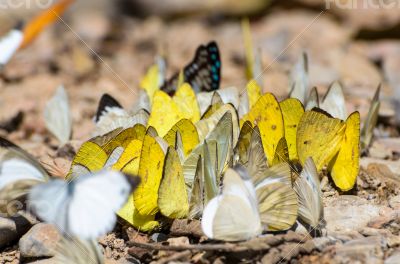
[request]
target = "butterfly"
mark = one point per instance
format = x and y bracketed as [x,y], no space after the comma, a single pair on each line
[57,115]
[345,165]
[19,172]
[292,111]
[20,37]
[243,210]
[267,115]
[299,79]
[166,111]
[319,136]
[334,102]
[203,73]
[86,205]
[73,250]
[110,115]
[371,121]
[307,187]
[10,43]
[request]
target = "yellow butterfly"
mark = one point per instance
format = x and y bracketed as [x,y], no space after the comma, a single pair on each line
[345,166]
[153,79]
[167,111]
[319,136]
[129,163]
[292,111]
[188,133]
[150,171]
[172,196]
[267,115]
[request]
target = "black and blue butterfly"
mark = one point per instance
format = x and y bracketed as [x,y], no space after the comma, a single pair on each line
[203,73]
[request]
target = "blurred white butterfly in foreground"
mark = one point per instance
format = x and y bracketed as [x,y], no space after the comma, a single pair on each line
[19,171]
[72,250]
[84,207]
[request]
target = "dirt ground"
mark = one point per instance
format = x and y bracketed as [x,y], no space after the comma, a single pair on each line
[93,51]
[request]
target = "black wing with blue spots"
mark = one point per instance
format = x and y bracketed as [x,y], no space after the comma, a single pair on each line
[203,73]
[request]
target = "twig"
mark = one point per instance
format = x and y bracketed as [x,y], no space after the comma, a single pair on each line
[176,256]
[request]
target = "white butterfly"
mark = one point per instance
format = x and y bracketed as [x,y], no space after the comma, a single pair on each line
[233,215]
[84,207]
[72,250]
[307,187]
[111,115]
[57,115]
[19,171]
[299,79]
[334,102]
[9,44]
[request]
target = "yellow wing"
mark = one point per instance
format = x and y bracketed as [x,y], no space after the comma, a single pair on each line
[150,82]
[319,136]
[281,153]
[242,147]
[253,92]
[150,172]
[125,137]
[292,111]
[164,113]
[267,115]
[91,156]
[345,166]
[172,197]
[278,206]
[129,163]
[185,99]
[133,217]
[188,131]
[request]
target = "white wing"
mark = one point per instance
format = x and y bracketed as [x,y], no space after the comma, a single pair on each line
[230,95]
[13,170]
[233,215]
[114,157]
[96,199]
[58,116]
[85,207]
[299,79]
[115,117]
[307,187]
[9,45]
[76,251]
[334,102]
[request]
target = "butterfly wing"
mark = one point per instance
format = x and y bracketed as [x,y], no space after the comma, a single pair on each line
[299,79]
[58,116]
[233,215]
[278,205]
[203,73]
[345,166]
[371,121]
[72,250]
[292,111]
[172,196]
[9,44]
[307,187]
[319,136]
[94,202]
[334,103]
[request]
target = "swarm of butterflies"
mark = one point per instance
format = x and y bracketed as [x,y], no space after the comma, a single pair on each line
[241,161]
